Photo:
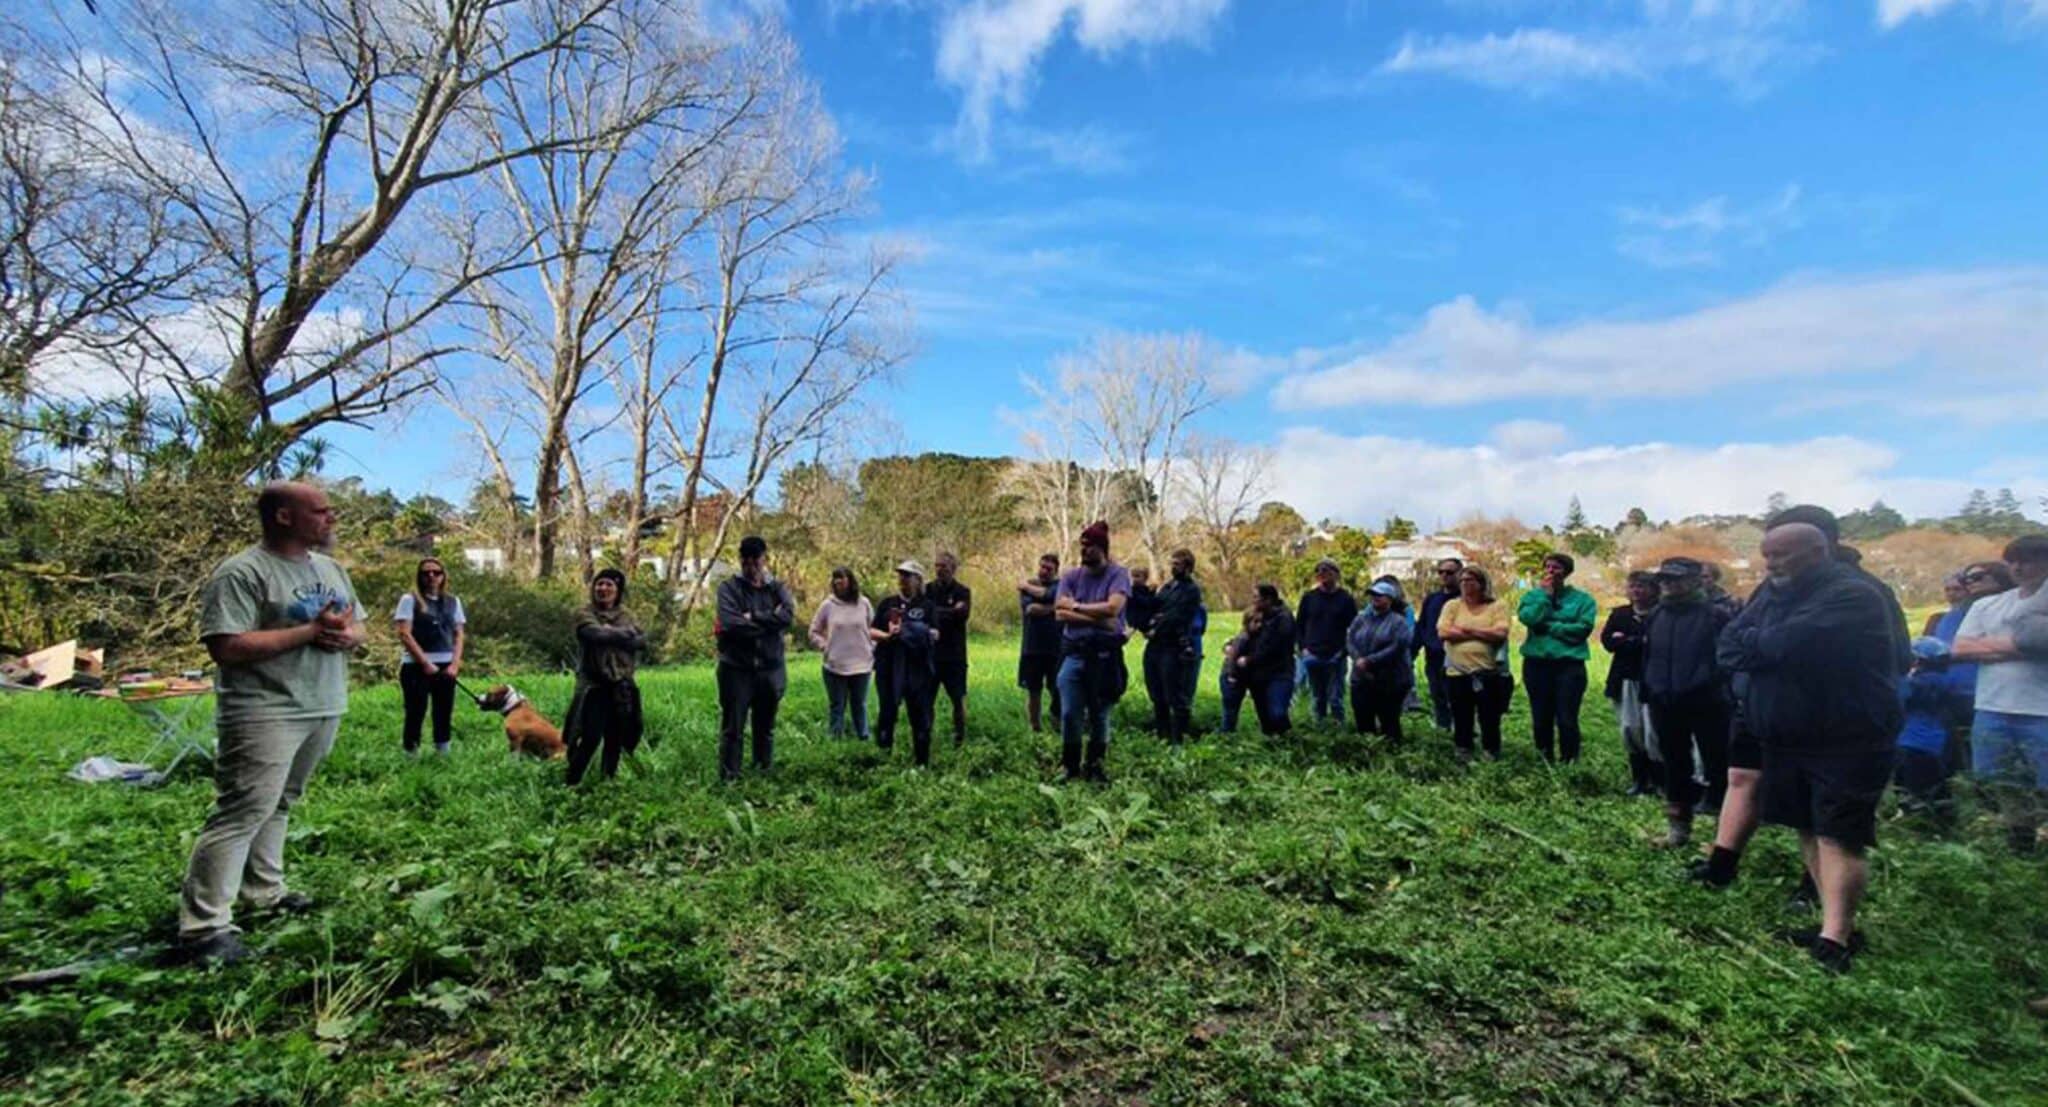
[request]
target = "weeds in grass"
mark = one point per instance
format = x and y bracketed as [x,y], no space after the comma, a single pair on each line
[1320,921]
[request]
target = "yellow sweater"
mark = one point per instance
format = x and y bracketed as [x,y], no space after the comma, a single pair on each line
[1471,655]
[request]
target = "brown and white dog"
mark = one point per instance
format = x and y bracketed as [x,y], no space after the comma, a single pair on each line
[525,730]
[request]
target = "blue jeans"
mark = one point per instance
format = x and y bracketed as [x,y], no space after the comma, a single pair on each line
[2013,748]
[1232,692]
[1325,685]
[843,692]
[1080,713]
[1271,700]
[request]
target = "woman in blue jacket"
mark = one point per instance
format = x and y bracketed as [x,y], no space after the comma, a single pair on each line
[1382,673]
[1938,700]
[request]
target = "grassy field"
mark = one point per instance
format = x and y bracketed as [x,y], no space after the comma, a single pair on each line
[1322,922]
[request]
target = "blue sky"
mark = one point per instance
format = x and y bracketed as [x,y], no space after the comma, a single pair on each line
[1480,254]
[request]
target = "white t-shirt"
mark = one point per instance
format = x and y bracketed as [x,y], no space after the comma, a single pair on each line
[2011,687]
[404,615]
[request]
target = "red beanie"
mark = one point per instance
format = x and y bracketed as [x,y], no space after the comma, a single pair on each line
[1097,534]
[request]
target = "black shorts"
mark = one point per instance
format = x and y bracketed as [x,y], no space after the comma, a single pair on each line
[951,673]
[1830,795]
[1038,672]
[1745,751]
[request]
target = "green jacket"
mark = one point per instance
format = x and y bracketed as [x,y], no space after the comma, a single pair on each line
[1558,628]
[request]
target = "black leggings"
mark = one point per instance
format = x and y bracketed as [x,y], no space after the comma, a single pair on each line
[914,694]
[1557,686]
[1376,707]
[1701,722]
[1488,701]
[420,690]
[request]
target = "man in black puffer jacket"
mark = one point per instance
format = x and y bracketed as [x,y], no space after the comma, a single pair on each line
[1816,644]
[1687,696]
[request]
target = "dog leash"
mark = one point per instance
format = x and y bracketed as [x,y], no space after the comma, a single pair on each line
[473,697]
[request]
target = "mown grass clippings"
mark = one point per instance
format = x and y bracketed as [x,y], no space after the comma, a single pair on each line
[1324,920]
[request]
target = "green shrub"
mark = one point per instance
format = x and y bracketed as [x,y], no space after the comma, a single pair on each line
[513,624]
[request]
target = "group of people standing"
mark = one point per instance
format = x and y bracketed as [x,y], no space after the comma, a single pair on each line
[1797,707]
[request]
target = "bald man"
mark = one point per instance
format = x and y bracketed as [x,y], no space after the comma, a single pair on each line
[279,619]
[1821,696]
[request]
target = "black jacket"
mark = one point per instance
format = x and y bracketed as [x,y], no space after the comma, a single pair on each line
[1622,637]
[951,607]
[1141,608]
[1174,623]
[1679,644]
[1426,639]
[1271,650]
[1901,634]
[751,622]
[1323,621]
[909,659]
[1817,655]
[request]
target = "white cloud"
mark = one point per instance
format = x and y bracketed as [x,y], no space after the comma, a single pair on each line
[1528,437]
[1892,13]
[1698,235]
[202,337]
[1436,483]
[1732,41]
[1991,325]
[1093,150]
[990,49]
[1962,403]
[1532,58]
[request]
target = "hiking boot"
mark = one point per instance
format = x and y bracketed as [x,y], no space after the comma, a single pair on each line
[1833,956]
[290,903]
[1093,774]
[222,947]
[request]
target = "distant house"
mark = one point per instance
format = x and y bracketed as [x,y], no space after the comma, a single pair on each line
[1410,558]
[688,570]
[484,559]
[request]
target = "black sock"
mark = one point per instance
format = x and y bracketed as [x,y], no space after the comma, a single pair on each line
[1721,865]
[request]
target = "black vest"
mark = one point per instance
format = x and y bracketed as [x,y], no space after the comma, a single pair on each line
[433,624]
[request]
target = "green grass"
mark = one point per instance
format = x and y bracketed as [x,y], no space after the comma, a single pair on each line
[1319,923]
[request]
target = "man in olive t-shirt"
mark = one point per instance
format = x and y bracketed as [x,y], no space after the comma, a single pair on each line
[279,620]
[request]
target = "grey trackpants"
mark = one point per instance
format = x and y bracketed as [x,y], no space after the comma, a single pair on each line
[260,771]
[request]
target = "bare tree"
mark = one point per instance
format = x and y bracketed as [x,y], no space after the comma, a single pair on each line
[1124,403]
[605,221]
[795,324]
[645,381]
[87,258]
[1220,485]
[298,136]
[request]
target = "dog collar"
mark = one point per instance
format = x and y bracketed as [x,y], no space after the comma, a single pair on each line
[512,701]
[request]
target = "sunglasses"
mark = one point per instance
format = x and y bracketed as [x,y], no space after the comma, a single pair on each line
[433,573]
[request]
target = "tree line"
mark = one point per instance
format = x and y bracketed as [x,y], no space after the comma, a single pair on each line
[615,239]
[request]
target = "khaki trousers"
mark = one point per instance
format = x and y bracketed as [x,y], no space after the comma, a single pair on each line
[260,771]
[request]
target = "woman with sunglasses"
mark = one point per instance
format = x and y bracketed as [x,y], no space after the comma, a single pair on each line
[430,629]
